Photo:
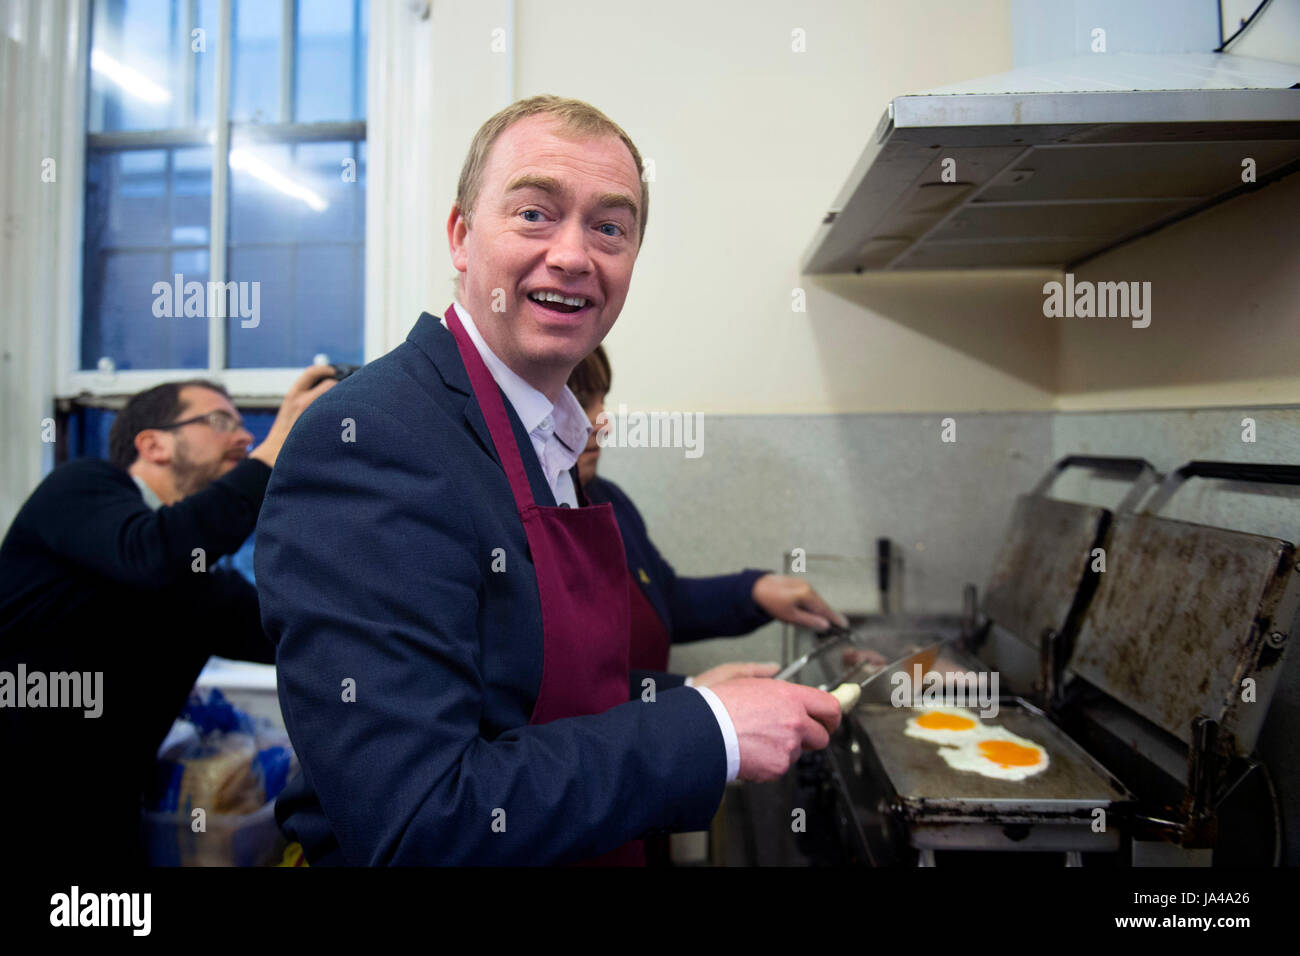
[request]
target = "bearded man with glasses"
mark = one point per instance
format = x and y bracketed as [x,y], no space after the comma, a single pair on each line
[108,569]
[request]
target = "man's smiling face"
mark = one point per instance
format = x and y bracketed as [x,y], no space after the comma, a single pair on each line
[554,215]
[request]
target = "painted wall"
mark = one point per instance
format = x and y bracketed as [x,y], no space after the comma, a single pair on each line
[1046,30]
[751,141]
[1225,323]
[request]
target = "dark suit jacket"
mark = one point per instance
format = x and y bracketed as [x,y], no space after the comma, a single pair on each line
[375,565]
[692,609]
[92,580]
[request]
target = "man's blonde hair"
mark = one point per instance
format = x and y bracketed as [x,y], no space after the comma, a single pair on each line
[574,117]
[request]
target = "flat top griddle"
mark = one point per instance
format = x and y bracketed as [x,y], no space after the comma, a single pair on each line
[925,783]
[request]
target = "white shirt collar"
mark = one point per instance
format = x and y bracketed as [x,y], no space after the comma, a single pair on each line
[567,419]
[150,497]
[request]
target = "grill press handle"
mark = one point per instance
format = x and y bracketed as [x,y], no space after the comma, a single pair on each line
[1226,471]
[1241,471]
[1142,472]
[1105,463]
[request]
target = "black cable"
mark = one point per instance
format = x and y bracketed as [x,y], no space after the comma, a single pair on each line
[1278,826]
[1244,24]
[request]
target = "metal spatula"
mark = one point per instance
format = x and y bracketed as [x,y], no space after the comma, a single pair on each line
[833,636]
[848,692]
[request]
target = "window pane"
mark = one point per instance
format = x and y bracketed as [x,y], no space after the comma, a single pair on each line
[143,73]
[289,192]
[331,60]
[270,342]
[148,197]
[120,322]
[255,62]
[191,196]
[133,195]
[297,229]
[147,219]
[296,207]
[328,300]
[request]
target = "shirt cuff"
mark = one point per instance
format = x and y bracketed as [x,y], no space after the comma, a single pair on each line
[729,738]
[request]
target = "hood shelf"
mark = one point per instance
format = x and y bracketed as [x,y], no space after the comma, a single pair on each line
[1057,164]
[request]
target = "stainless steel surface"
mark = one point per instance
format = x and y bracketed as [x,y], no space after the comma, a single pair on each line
[887,826]
[1050,177]
[1182,617]
[1040,568]
[1160,751]
[1072,785]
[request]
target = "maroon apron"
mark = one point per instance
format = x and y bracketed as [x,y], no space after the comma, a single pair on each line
[581,581]
[651,642]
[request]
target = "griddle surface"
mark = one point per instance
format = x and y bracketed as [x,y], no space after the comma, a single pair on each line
[919,775]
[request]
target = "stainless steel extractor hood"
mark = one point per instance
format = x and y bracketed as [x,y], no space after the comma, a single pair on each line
[1051,165]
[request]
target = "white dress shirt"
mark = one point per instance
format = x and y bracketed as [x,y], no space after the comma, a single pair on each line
[150,497]
[559,434]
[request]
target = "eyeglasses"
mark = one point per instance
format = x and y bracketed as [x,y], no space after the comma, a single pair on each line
[221,422]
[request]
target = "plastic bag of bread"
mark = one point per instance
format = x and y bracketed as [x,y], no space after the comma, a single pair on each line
[215,774]
[226,766]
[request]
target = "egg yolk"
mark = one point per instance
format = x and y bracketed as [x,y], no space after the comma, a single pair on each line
[1005,753]
[938,720]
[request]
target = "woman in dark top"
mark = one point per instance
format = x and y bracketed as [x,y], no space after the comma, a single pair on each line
[667,608]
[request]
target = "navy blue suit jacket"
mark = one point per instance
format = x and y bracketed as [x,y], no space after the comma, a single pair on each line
[376,544]
[692,609]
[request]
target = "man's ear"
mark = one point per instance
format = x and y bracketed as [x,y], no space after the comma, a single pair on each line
[457,227]
[152,447]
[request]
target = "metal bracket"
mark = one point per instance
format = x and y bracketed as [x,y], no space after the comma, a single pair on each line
[1203,769]
[1143,472]
[1051,668]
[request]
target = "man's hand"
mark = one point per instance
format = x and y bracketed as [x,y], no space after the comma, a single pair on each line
[308,387]
[861,655]
[775,721]
[793,599]
[716,675]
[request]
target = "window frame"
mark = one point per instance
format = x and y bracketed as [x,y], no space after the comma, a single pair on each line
[253,387]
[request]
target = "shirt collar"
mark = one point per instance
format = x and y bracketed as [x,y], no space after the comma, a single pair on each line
[569,421]
[150,498]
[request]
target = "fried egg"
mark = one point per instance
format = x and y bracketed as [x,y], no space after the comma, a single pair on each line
[950,726]
[997,753]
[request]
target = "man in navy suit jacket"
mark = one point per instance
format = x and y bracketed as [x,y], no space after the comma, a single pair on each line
[395,577]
